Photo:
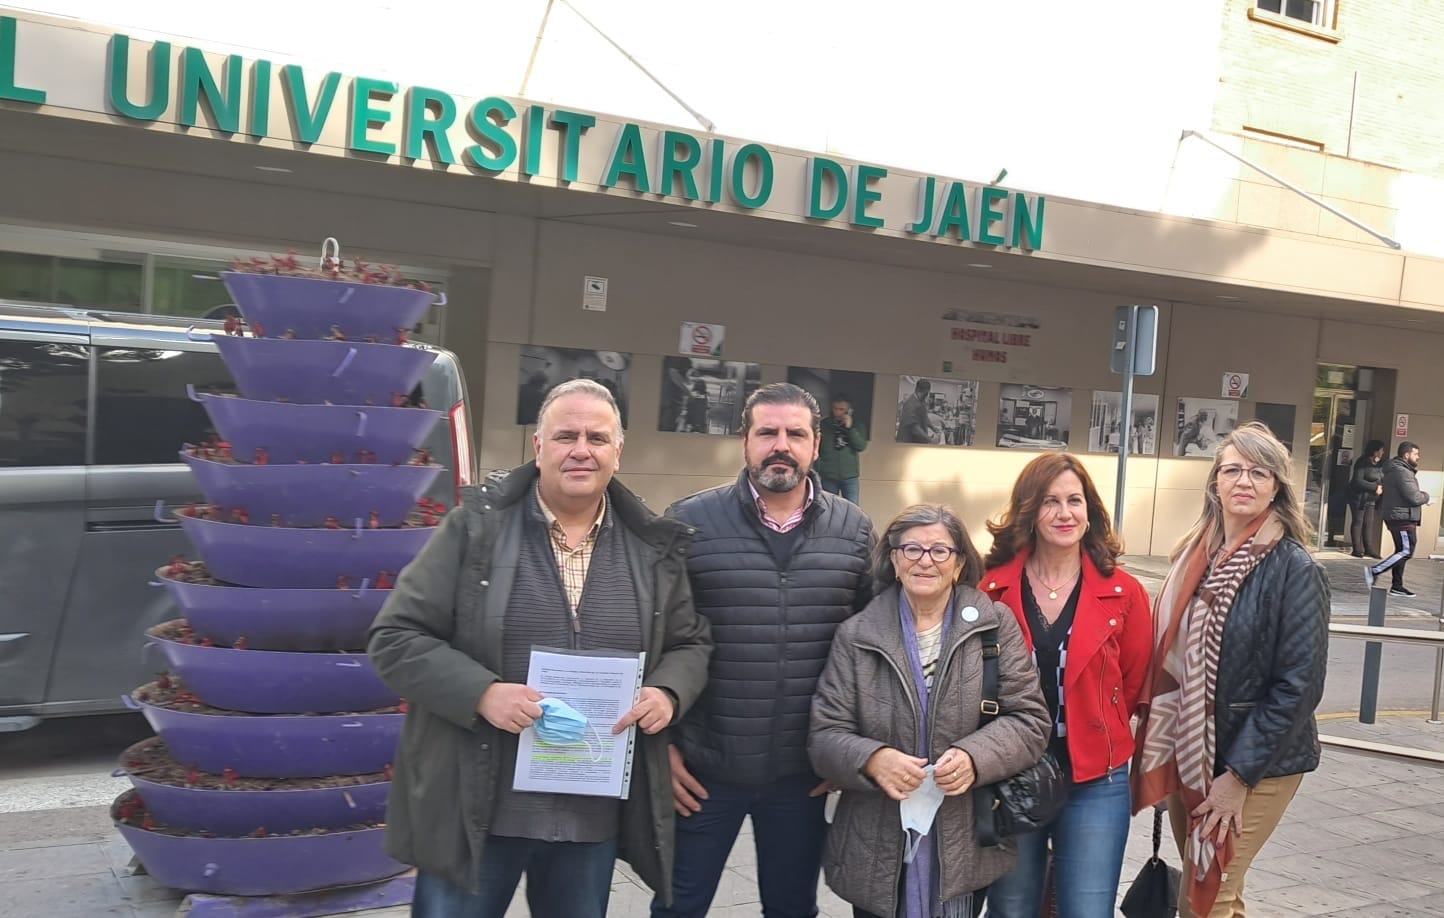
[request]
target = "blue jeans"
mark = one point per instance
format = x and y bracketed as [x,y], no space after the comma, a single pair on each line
[1088,841]
[563,880]
[846,488]
[788,829]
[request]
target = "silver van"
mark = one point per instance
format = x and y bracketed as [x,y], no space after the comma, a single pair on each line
[93,412]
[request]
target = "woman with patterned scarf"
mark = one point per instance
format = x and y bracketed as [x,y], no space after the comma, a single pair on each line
[1227,730]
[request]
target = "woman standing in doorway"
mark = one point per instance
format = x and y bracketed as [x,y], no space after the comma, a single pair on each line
[1366,488]
[1054,562]
[1227,728]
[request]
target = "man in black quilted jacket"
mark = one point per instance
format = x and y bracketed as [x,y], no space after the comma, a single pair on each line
[1399,506]
[776,564]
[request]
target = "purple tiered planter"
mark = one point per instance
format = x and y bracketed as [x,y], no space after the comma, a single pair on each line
[275,682]
[277,619]
[315,444]
[322,372]
[314,433]
[271,866]
[309,307]
[305,495]
[242,811]
[275,556]
[276,745]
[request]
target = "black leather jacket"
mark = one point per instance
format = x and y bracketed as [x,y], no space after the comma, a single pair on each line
[1271,668]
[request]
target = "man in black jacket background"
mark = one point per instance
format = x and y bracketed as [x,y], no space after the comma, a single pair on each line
[1399,506]
[776,564]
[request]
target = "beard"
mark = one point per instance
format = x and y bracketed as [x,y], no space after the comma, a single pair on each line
[778,482]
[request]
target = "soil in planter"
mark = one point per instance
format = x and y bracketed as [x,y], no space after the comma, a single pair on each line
[179,631]
[168,692]
[129,809]
[183,571]
[151,760]
[424,517]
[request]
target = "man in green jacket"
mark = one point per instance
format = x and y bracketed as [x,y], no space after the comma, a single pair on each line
[558,554]
[840,442]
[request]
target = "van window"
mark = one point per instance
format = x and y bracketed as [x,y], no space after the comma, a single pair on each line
[142,414]
[42,403]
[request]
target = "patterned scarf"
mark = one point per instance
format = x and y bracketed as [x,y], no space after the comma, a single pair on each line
[1175,742]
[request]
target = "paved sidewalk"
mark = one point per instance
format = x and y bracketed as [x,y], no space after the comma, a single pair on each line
[1365,836]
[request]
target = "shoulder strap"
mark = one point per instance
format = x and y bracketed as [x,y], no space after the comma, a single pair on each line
[989,709]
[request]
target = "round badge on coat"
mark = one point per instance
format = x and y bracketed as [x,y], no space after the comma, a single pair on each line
[970,614]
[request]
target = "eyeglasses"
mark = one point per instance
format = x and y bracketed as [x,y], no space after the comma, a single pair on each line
[1232,473]
[914,552]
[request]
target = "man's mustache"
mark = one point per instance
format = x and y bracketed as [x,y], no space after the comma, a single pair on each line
[780,459]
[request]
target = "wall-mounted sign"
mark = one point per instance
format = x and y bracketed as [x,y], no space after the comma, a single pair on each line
[594,293]
[977,337]
[701,340]
[1235,385]
[1401,425]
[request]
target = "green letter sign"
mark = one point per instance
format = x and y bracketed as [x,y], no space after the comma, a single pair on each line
[8,89]
[363,115]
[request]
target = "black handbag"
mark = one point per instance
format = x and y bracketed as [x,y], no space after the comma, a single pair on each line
[1028,800]
[1154,892]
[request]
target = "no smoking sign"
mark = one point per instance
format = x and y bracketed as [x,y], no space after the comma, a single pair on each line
[700,339]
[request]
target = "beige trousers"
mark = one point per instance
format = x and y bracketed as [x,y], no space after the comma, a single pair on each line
[1262,809]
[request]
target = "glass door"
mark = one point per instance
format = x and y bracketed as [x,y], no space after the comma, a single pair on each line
[1333,434]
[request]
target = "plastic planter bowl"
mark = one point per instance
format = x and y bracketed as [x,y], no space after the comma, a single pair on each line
[241,812]
[276,619]
[273,681]
[271,866]
[314,433]
[305,495]
[313,559]
[309,307]
[277,746]
[320,372]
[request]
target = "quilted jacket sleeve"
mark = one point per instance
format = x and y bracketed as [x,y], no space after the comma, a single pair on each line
[1297,679]
[837,750]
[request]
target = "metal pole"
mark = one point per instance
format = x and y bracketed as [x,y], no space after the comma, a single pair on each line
[1438,670]
[1373,652]
[1125,420]
[1352,221]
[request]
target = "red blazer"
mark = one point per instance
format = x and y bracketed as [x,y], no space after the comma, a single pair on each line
[1109,651]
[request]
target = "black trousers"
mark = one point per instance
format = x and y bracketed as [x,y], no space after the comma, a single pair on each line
[1364,530]
[1405,539]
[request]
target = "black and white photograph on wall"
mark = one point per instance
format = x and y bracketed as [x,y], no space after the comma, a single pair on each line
[1201,423]
[1279,419]
[1034,417]
[703,395]
[545,367]
[943,412]
[854,386]
[1105,431]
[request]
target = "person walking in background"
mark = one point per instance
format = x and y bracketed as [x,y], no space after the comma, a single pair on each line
[1227,730]
[776,566]
[839,445]
[556,553]
[901,693]
[1399,504]
[913,423]
[1365,489]
[1054,563]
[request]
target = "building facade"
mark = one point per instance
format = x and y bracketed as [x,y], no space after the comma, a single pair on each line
[575,242]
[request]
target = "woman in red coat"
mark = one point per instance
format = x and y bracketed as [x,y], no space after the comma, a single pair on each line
[1054,562]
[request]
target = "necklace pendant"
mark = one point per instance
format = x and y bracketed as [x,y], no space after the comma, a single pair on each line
[1052,594]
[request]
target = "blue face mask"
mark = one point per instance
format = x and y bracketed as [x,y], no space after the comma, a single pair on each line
[563,725]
